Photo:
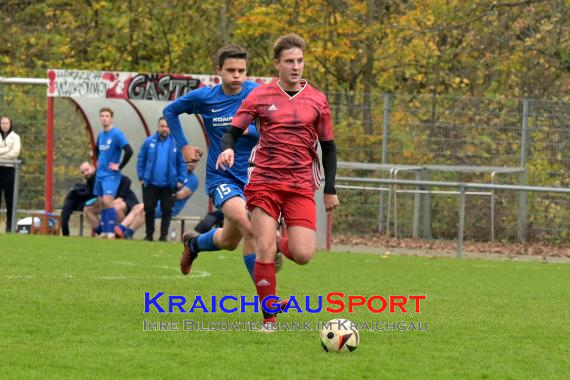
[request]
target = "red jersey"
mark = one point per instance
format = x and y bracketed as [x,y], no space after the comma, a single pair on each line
[289,128]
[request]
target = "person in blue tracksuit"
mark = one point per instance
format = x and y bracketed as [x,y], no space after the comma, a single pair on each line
[161,170]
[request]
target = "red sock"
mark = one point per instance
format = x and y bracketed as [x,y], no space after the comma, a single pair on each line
[284,248]
[265,282]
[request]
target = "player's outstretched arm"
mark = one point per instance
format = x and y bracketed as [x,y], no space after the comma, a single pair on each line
[185,104]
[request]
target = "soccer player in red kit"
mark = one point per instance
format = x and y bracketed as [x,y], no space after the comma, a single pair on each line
[292,118]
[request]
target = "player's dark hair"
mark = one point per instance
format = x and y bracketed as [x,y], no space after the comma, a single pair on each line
[160,119]
[286,42]
[231,51]
[106,109]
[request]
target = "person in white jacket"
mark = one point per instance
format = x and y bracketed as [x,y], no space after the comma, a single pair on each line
[9,150]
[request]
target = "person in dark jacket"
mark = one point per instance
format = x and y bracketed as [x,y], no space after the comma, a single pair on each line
[81,198]
[74,201]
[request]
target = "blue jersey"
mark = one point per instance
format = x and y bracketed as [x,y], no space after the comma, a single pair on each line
[110,145]
[217,110]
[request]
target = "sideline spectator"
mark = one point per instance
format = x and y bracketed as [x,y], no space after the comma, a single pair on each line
[161,170]
[183,195]
[123,203]
[77,196]
[9,150]
[136,218]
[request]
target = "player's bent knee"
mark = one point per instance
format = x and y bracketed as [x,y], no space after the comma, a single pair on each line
[266,249]
[138,209]
[248,235]
[302,260]
[303,256]
[231,245]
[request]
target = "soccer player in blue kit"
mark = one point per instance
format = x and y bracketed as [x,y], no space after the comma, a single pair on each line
[108,148]
[217,106]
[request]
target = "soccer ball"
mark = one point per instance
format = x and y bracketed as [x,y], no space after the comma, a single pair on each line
[339,335]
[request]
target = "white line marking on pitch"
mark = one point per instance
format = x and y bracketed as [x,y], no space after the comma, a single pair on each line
[125,263]
[17,277]
[196,274]
[110,278]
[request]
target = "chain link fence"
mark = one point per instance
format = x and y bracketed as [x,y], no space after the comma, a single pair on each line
[26,107]
[386,129]
[466,135]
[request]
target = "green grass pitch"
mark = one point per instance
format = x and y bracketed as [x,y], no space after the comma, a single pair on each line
[73,308]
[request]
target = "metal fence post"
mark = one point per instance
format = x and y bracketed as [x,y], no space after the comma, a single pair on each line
[386,134]
[426,208]
[493,208]
[15,196]
[461,222]
[417,202]
[522,222]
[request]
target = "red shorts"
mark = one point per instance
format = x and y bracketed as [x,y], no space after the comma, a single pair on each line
[297,207]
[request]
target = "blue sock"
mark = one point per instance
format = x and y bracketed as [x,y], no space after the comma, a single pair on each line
[104,224]
[99,229]
[206,241]
[249,262]
[112,218]
[129,232]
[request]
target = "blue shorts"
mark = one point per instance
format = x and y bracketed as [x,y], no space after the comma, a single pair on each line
[106,186]
[225,191]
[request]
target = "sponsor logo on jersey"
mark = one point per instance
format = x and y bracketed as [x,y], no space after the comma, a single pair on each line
[222,121]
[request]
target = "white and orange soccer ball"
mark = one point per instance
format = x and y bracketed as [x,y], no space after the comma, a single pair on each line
[339,335]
